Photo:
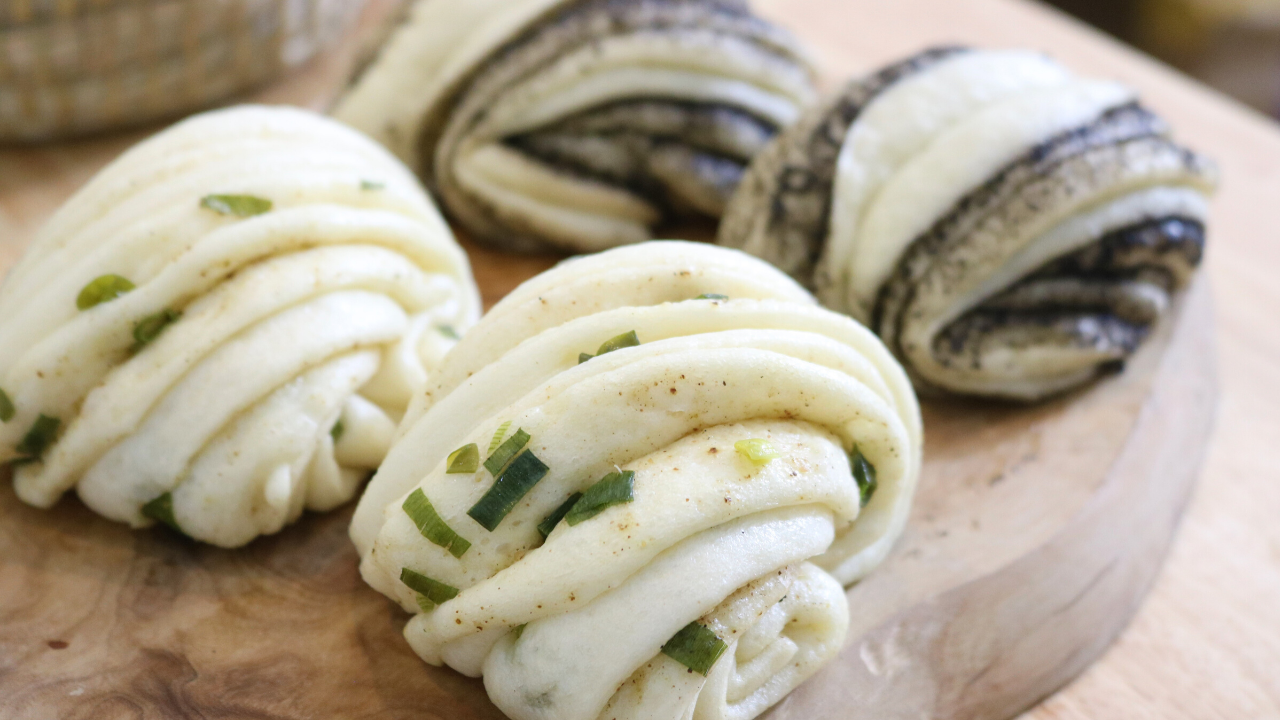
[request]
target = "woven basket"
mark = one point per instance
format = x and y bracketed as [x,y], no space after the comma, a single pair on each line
[70,67]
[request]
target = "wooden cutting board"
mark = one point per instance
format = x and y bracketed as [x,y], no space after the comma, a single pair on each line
[1036,533]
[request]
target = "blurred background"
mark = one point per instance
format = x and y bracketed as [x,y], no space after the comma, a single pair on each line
[71,68]
[76,67]
[1233,45]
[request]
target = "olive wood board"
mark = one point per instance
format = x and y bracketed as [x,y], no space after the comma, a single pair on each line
[1035,535]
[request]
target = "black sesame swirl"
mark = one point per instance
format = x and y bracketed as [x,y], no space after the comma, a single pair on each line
[579,125]
[1008,228]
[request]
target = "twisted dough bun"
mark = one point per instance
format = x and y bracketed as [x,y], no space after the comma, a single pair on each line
[1008,228]
[261,362]
[70,67]
[579,124]
[571,628]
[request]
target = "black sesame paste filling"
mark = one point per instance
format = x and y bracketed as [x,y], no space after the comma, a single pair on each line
[1103,298]
[680,156]
[1041,177]
[684,157]
[799,193]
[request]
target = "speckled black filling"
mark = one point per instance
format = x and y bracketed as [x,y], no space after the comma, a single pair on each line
[1173,245]
[1113,128]
[681,156]
[796,178]
[1097,304]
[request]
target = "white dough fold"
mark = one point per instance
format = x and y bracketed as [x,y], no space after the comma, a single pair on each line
[294,337]
[461,86]
[1008,228]
[572,626]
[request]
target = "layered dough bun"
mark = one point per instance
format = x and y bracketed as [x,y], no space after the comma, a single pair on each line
[684,459]
[1009,229]
[579,124]
[225,325]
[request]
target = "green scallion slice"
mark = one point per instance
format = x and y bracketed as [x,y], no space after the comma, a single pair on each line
[864,473]
[465,459]
[432,526]
[238,205]
[505,452]
[625,340]
[695,647]
[102,289]
[430,592]
[757,451]
[372,185]
[712,296]
[7,409]
[149,328]
[161,510]
[449,332]
[518,479]
[547,525]
[338,430]
[38,439]
[612,489]
[500,433]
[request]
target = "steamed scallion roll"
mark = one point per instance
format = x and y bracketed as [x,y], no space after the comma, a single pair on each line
[225,325]
[639,485]
[1009,228]
[579,124]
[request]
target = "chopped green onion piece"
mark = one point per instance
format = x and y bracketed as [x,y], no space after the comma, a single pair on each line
[6,407]
[432,526]
[102,289]
[497,437]
[424,604]
[149,328]
[505,452]
[449,332]
[864,473]
[465,459]
[338,430]
[712,296]
[612,489]
[433,592]
[625,340]
[695,647]
[758,451]
[238,205]
[519,630]
[161,510]
[547,525]
[38,439]
[517,480]
[372,184]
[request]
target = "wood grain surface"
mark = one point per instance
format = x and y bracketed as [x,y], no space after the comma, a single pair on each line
[97,621]
[1035,534]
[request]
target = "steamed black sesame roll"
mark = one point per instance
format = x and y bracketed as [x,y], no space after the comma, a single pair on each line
[224,326]
[579,124]
[637,488]
[1008,227]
